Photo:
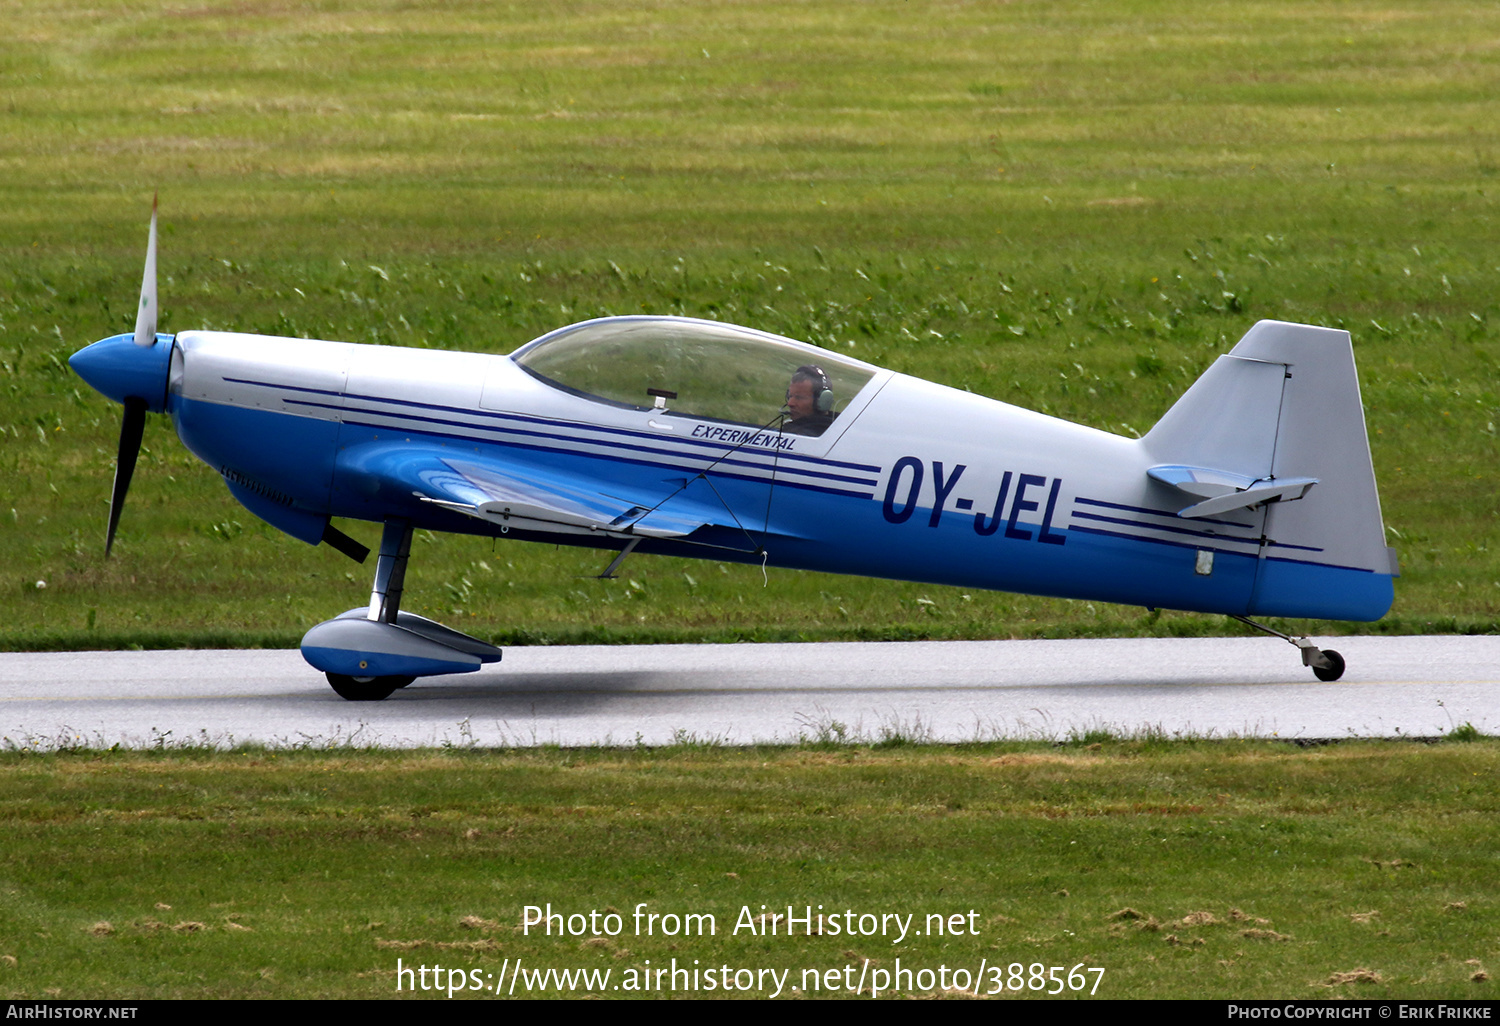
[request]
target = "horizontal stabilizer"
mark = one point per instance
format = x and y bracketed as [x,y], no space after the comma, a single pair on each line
[1224,490]
[1284,490]
[1200,481]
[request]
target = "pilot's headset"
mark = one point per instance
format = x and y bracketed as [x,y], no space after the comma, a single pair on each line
[822,387]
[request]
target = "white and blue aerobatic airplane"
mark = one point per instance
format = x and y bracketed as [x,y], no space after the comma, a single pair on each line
[1253,496]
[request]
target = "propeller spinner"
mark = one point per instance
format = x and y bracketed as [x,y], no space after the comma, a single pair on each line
[132,370]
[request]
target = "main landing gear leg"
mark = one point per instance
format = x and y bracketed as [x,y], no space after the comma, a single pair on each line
[1325,662]
[370,651]
[390,571]
[385,605]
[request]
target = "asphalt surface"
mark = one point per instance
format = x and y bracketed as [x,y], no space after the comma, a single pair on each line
[737,694]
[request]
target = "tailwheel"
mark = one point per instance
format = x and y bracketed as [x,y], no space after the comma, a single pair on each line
[1335,668]
[366,689]
[1327,665]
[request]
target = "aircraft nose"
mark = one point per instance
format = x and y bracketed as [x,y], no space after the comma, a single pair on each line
[118,368]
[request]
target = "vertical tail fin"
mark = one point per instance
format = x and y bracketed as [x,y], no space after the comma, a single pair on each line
[1278,423]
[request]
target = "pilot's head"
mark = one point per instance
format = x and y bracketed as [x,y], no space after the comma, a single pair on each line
[809,395]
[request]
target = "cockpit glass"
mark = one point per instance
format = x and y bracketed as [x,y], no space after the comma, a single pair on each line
[698,369]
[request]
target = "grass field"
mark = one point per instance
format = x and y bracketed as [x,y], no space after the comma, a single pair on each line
[1067,206]
[1231,869]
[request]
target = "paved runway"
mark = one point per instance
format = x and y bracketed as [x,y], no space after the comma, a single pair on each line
[947,691]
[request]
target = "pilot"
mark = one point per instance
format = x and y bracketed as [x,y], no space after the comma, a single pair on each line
[809,402]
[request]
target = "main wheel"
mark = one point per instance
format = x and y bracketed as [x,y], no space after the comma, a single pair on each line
[366,689]
[1335,668]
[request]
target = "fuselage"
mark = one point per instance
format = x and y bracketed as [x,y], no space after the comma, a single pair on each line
[912,480]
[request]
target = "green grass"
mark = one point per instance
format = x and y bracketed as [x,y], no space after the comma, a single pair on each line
[307,874]
[1070,207]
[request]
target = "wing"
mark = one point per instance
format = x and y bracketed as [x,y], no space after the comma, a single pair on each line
[532,497]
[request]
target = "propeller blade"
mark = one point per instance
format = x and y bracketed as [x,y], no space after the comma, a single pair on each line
[130,447]
[145,317]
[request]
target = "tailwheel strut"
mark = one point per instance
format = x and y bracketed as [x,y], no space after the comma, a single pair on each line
[1327,665]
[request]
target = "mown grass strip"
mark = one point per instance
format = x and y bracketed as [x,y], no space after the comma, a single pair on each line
[1190,869]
